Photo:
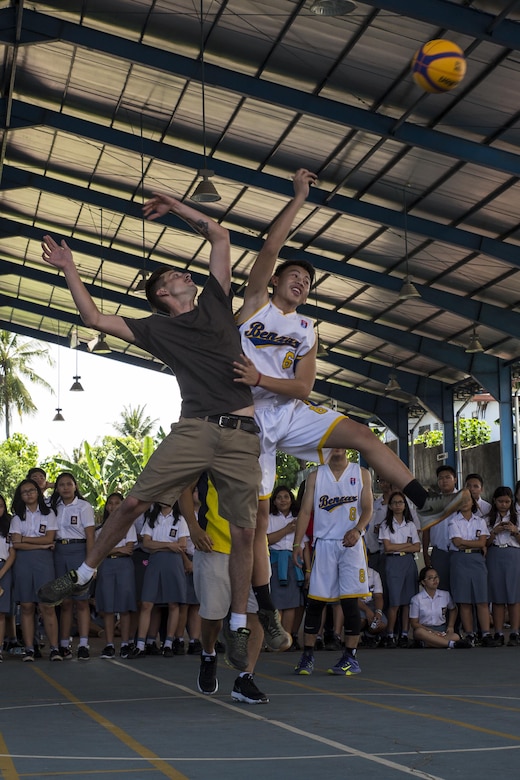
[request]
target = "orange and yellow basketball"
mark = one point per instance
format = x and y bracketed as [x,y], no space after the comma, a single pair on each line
[438,66]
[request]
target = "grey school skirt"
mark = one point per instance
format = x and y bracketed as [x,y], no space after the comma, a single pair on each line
[68,557]
[468,578]
[503,565]
[115,585]
[32,569]
[6,583]
[164,579]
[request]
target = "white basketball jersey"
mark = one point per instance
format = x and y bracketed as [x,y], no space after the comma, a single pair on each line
[337,503]
[275,342]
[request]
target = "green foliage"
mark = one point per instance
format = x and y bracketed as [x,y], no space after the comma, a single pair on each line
[17,456]
[430,439]
[134,422]
[287,468]
[16,356]
[108,468]
[473,432]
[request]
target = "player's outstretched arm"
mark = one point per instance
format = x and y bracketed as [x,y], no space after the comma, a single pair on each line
[256,293]
[220,257]
[60,256]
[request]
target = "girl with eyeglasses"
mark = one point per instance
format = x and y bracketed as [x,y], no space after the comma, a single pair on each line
[401,541]
[433,613]
[33,529]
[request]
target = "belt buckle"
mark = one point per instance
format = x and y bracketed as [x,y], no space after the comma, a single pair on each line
[64,541]
[402,553]
[225,421]
[467,549]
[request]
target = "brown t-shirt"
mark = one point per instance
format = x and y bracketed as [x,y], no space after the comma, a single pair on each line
[200,347]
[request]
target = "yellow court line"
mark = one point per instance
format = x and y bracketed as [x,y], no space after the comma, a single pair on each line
[451,696]
[400,710]
[125,738]
[6,763]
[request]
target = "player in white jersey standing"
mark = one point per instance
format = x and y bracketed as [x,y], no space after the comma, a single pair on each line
[279,364]
[340,494]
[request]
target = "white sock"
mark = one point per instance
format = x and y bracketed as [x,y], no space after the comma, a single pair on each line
[237,621]
[85,573]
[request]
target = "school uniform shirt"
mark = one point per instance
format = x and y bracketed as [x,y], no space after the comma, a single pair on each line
[131,536]
[484,508]
[470,529]
[402,534]
[379,511]
[503,537]
[5,546]
[375,584]
[164,529]
[431,610]
[73,518]
[277,522]
[34,525]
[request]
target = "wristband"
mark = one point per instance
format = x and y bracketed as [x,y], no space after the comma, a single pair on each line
[307,571]
[295,546]
[258,379]
[378,611]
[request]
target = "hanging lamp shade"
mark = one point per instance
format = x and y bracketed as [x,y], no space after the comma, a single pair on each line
[205,191]
[58,417]
[99,345]
[332,7]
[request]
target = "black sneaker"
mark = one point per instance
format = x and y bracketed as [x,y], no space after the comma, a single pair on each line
[63,588]
[489,641]
[246,690]
[220,647]
[28,655]
[437,508]
[152,649]
[207,682]
[108,652]
[136,653]
[37,651]
[83,653]
[124,651]
[333,643]
[513,639]
[168,652]
[275,635]
[463,644]
[66,653]
[195,647]
[500,639]
[178,646]
[403,642]
[236,646]
[54,654]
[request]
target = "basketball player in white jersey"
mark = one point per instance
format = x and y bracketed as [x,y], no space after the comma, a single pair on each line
[340,494]
[279,364]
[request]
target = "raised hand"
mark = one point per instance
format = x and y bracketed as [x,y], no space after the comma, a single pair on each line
[302,181]
[159,205]
[57,255]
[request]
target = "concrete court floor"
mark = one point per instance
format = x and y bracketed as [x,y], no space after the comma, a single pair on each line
[416,713]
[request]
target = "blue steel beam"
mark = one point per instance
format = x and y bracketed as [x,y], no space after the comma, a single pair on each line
[468,21]
[24,114]
[37,27]
[495,317]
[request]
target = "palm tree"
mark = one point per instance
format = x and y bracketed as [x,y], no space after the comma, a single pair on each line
[16,355]
[135,423]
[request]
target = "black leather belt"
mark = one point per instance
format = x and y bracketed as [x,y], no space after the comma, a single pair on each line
[114,556]
[70,541]
[470,550]
[235,421]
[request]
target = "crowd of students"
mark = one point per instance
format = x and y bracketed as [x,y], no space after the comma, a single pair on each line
[471,577]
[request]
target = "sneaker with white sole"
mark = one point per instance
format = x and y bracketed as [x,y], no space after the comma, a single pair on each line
[437,508]
[236,646]
[207,682]
[275,635]
[246,690]
[64,587]
[108,652]
[346,666]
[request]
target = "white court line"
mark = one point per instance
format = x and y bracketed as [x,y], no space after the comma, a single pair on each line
[292,729]
[247,759]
